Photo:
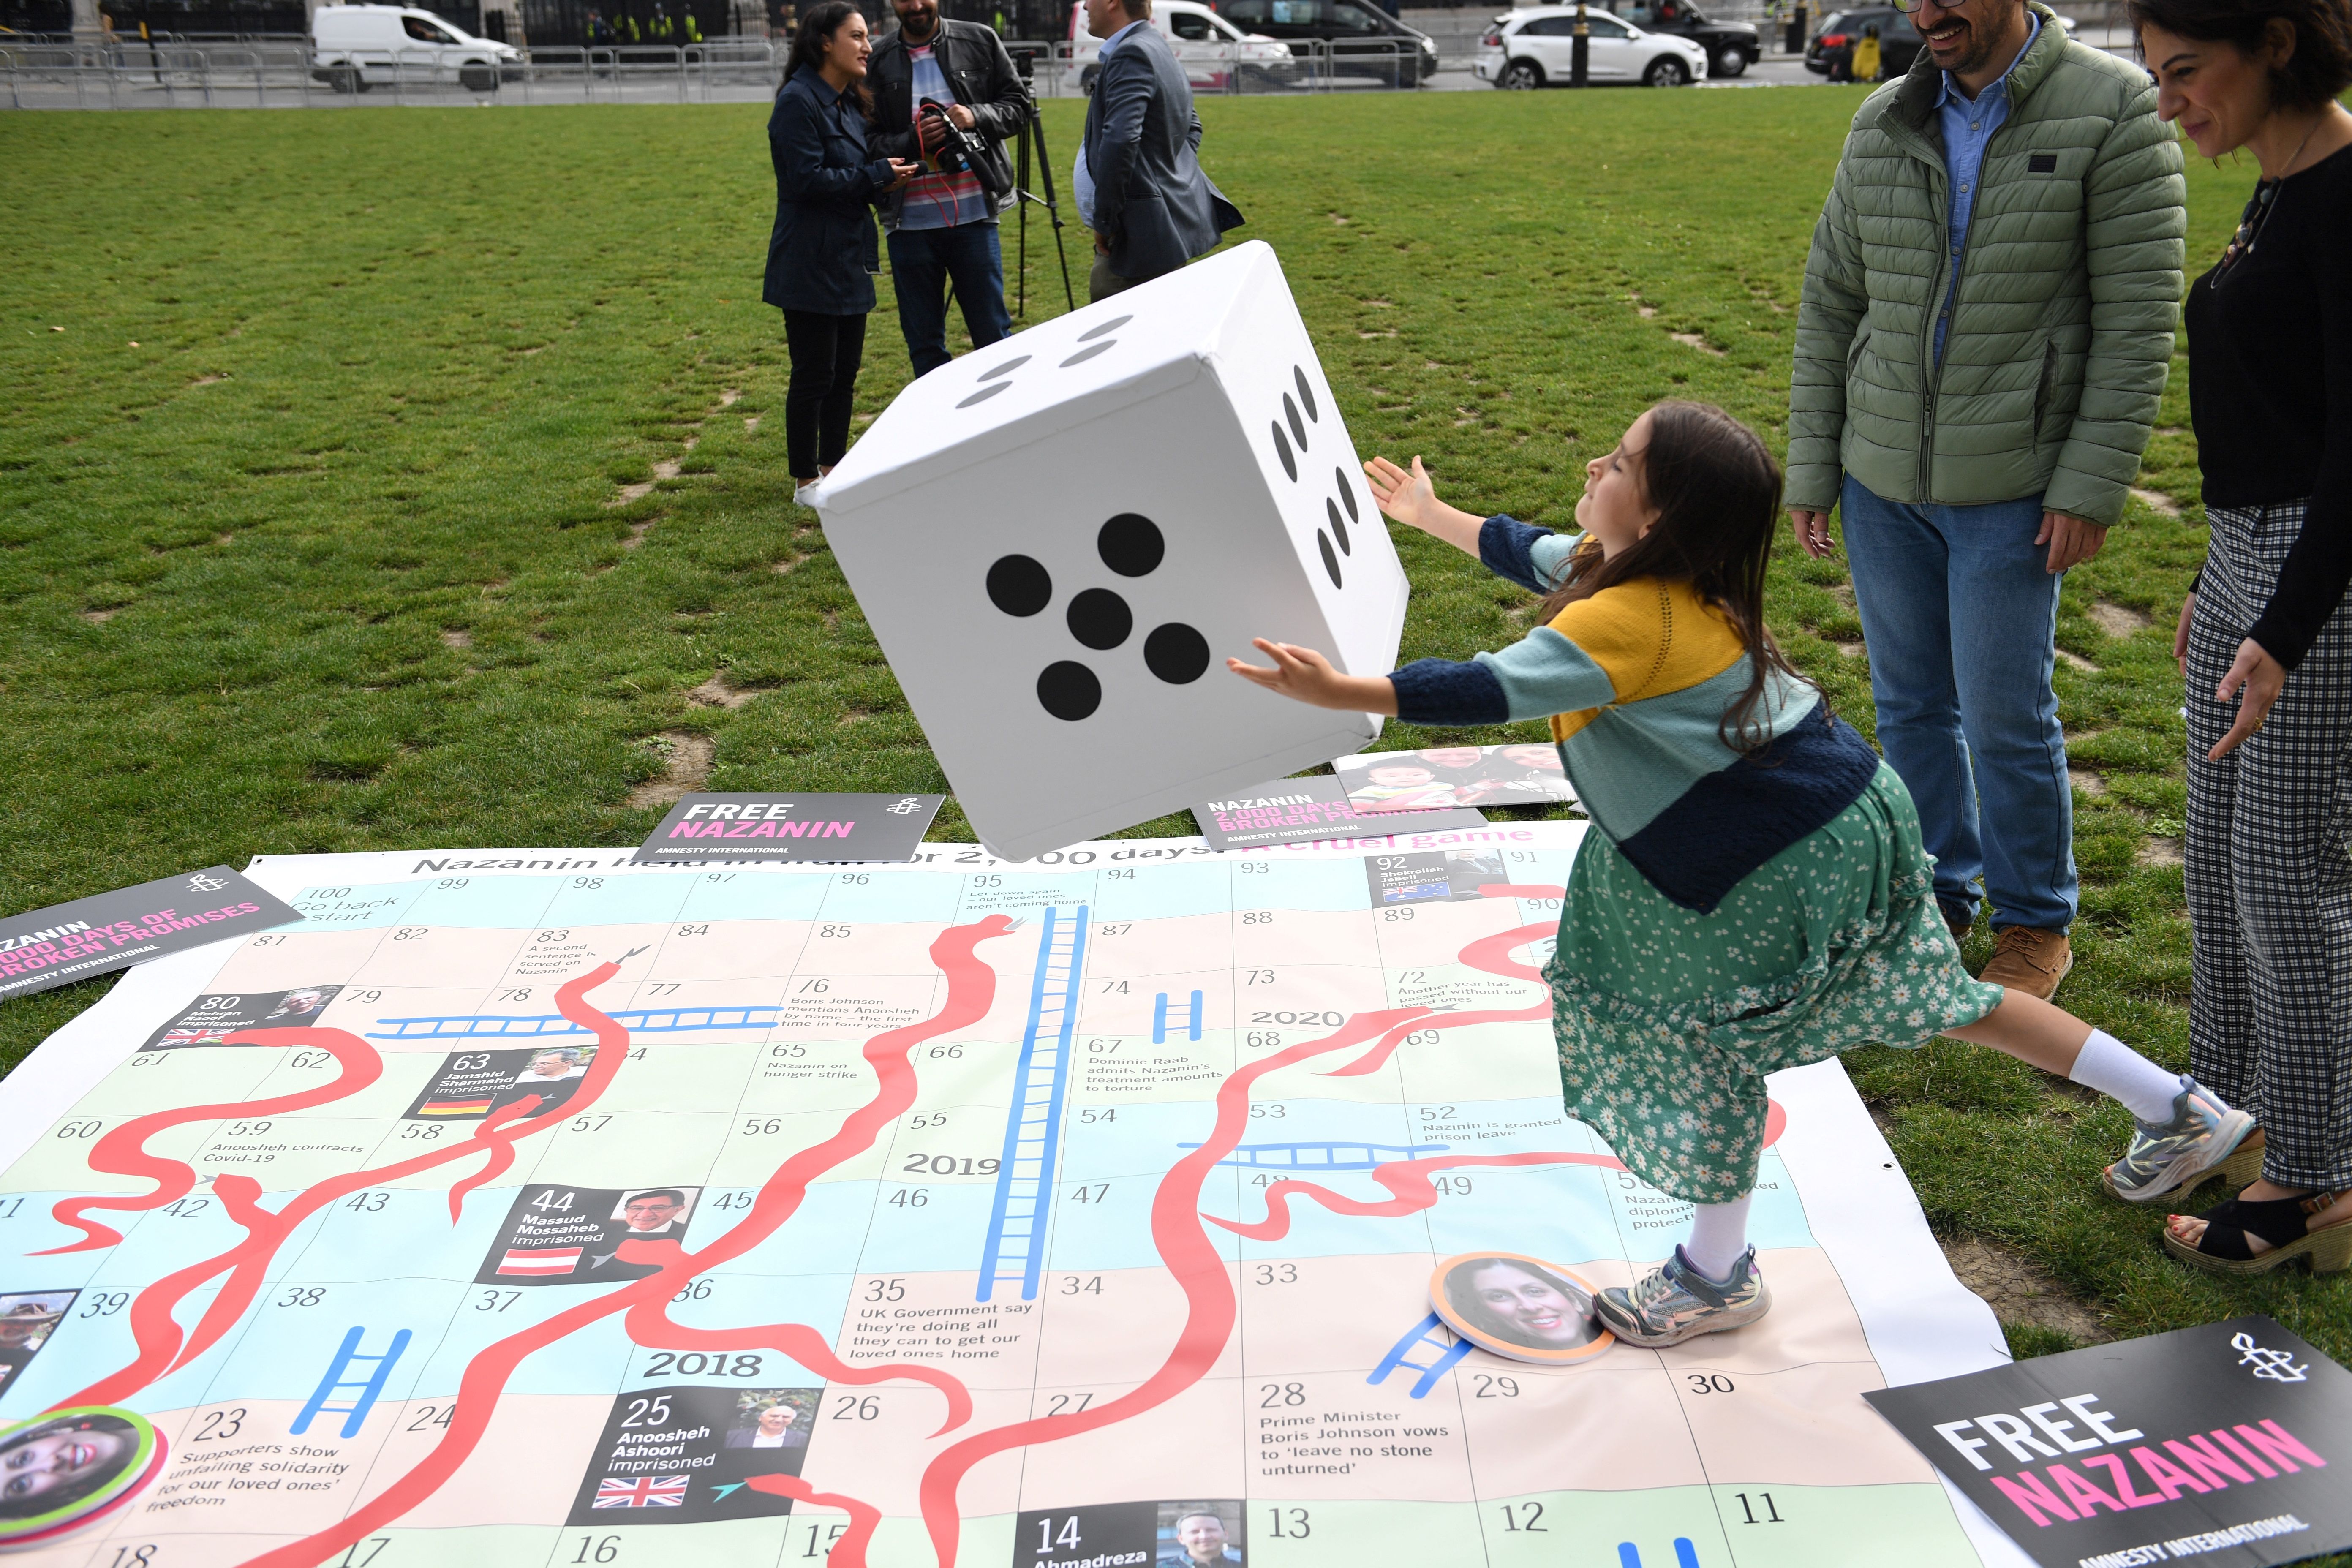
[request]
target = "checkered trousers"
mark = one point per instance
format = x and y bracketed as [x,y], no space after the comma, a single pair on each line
[2270,880]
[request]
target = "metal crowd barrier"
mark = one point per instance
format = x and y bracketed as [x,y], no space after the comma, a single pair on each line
[1307,65]
[185,75]
[173,74]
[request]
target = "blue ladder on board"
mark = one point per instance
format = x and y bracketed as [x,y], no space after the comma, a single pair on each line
[1032,1130]
[1423,1332]
[1686,1555]
[1323,1156]
[1159,1018]
[532,1027]
[370,1387]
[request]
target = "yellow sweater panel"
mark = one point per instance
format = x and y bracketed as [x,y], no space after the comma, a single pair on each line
[1651,637]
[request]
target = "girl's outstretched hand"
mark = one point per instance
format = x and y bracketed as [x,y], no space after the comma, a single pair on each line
[1412,500]
[1305,675]
[1405,497]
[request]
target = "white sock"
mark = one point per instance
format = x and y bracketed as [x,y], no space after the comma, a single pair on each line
[2121,1073]
[1718,1236]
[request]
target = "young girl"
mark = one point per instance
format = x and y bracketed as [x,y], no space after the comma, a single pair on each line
[1755,896]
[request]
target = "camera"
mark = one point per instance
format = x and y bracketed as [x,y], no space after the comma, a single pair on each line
[946,146]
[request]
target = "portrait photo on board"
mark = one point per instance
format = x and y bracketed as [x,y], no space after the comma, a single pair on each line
[772,1418]
[63,1467]
[1520,1307]
[1197,1532]
[27,1319]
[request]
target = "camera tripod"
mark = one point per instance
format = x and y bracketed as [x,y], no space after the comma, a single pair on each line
[1034,131]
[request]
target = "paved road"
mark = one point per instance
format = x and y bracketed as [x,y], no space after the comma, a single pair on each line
[1772,70]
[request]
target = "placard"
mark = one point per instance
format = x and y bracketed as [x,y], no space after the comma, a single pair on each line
[791,828]
[2223,1444]
[1308,811]
[106,932]
[1438,778]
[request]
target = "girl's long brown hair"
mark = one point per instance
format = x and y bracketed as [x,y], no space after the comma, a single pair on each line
[1717,491]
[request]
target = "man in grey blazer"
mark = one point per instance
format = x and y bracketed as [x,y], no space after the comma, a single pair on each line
[1142,191]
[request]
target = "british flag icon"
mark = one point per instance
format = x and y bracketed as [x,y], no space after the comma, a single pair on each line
[645,1491]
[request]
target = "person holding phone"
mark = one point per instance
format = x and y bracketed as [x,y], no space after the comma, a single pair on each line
[822,255]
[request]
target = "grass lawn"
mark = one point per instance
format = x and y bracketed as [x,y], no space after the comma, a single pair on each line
[415,477]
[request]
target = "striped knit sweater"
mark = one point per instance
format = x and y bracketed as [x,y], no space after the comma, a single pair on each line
[1636,681]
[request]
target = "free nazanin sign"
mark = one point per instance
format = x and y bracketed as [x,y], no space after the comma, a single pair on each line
[2221,1445]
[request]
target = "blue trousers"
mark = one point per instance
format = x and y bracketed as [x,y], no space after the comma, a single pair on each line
[921,262]
[1960,614]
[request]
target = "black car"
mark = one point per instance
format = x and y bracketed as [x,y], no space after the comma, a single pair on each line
[1364,41]
[1831,54]
[1731,47]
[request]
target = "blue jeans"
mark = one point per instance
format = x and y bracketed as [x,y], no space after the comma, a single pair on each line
[921,262]
[1961,614]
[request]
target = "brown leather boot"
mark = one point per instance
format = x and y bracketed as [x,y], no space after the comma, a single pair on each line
[2031,961]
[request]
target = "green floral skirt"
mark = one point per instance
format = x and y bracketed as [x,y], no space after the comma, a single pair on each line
[1667,1020]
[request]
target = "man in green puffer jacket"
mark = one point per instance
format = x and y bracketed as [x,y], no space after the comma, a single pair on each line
[1987,322]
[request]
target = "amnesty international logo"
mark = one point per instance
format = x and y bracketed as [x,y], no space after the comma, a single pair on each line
[201,883]
[2276,1366]
[911,804]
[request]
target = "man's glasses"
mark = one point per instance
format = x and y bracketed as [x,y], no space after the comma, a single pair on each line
[1908,6]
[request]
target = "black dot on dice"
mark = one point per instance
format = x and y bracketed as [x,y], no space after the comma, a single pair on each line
[1087,353]
[1306,393]
[1282,449]
[1331,562]
[1068,690]
[1100,619]
[1339,529]
[1019,587]
[984,393]
[1130,544]
[1009,366]
[1176,653]
[1114,325]
[1347,493]
[1297,426]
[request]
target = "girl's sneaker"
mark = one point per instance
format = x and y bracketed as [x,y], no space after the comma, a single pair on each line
[1678,1302]
[2199,1141]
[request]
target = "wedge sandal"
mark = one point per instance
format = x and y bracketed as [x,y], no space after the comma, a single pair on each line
[2284,1223]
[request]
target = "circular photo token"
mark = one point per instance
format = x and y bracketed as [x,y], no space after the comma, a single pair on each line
[63,1470]
[1519,1307]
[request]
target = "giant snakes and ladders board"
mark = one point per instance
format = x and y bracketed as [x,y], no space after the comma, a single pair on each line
[531,1207]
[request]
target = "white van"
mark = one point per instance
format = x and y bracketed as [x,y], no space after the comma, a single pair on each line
[1208,46]
[355,47]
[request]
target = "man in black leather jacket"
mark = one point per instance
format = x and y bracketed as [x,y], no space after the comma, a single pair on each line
[942,224]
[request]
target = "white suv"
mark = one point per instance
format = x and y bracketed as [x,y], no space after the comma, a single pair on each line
[1532,47]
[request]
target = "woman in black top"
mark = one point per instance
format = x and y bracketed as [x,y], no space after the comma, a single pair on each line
[2265,640]
[822,257]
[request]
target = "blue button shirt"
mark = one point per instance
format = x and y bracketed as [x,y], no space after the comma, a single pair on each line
[1967,126]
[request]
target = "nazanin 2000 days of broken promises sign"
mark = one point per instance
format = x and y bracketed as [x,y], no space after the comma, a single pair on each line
[66,942]
[793,828]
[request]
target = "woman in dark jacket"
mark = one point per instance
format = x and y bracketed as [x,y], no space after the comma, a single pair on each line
[822,257]
[2265,640]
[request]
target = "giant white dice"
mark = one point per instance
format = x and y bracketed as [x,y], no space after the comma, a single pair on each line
[1059,538]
